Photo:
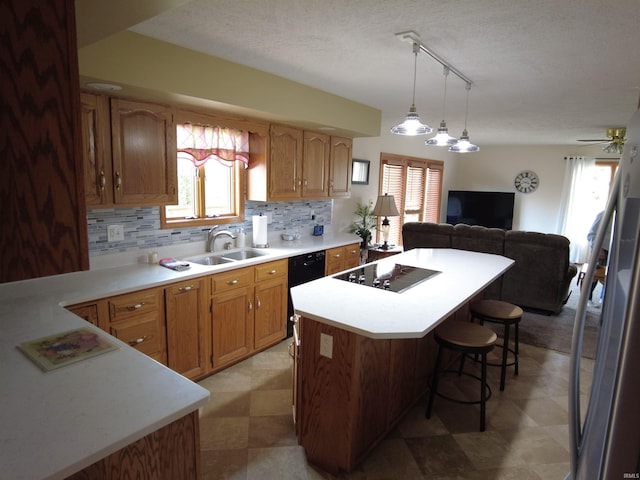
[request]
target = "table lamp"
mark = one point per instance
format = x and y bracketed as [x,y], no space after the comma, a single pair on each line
[385,207]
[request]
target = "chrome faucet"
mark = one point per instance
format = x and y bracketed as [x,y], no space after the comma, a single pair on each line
[212,235]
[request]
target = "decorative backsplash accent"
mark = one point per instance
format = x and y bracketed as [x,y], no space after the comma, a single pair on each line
[142,225]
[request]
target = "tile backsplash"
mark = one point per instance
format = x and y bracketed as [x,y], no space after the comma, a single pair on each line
[142,230]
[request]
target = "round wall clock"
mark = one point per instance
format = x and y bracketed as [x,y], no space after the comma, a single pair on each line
[526,181]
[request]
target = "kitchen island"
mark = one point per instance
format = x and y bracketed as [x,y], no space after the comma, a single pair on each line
[364,354]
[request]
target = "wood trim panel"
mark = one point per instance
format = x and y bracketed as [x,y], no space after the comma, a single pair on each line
[170,452]
[42,211]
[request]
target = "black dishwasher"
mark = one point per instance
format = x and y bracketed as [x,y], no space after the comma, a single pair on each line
[302,269]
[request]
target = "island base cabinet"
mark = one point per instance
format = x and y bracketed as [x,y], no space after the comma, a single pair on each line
[170,452]
[347,403]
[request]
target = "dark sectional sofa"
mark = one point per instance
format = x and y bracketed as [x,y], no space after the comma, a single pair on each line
[539,280]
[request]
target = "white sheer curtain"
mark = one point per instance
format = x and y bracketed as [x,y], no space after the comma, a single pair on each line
[577,206]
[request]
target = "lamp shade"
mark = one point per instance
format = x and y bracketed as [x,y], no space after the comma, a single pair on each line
[386,206]
[464,145]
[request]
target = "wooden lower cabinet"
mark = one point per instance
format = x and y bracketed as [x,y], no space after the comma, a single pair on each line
[346,404]
[171,452]
[342,258]
[199,326]
[270,292]
[249,310]
[138,319]
[232,326]
[187,311]
[86,311]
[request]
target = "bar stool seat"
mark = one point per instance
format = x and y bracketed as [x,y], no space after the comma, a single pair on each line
[469,339]
[506,314]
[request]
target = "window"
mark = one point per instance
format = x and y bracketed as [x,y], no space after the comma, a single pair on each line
[416,185]
[210,163]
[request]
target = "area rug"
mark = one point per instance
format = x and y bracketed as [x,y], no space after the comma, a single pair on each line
[556,331]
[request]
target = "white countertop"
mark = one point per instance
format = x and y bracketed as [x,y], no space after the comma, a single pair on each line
[56,423]
[378,313]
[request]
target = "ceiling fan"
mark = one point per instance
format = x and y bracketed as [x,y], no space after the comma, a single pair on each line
[613,144]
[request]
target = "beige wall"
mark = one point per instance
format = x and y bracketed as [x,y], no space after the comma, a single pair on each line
[493,168]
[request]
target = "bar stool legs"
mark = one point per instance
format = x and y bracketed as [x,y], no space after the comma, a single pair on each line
[506,314]
[466,338]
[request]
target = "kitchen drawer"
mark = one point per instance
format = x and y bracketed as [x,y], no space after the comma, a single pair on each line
[240,277]
[142,334]
[132,305]
[271,270]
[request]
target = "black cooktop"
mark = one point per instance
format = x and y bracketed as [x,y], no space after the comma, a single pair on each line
[387,276]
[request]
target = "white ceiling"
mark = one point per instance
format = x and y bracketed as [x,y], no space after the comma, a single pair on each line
[544,72]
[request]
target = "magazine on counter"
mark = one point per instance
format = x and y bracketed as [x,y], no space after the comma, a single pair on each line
[60,349]
[174,264]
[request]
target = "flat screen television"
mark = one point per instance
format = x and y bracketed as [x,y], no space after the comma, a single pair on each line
[488,209]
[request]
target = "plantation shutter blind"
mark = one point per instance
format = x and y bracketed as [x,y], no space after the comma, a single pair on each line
[434,194]
[393,184]
[416,185]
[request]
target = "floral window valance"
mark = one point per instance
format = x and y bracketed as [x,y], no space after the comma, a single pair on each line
[201,143]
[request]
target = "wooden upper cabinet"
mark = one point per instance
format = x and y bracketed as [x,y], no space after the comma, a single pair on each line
[315,165]
[300,164]
[285,163]
[96,149]
[340,167]
[144,153]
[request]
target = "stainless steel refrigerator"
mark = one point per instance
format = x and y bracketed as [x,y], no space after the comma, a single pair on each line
[605,437]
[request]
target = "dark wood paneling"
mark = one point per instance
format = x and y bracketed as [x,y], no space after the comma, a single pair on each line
[42,209]
[172,452]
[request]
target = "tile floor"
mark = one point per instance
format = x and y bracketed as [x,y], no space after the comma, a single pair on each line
[247,433]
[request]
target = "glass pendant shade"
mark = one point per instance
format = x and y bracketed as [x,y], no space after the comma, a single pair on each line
[464,145]
[411,125]
[442,138]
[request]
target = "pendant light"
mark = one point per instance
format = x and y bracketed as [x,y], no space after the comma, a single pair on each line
[442,138]
[464,145]
[411,125]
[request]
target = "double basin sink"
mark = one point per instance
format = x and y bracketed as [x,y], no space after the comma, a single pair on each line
[224,257]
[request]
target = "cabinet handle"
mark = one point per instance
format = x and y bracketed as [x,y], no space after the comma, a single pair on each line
[273,272]
[338,255]
[103,180]
[186,288]
[232,282]
[250,306]
[136,306]
[118,181]
[258,303]
[138,341]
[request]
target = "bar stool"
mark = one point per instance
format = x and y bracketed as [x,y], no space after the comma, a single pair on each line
[506,314]
[469,339]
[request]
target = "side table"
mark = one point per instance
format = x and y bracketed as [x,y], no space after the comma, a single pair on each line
[376,253]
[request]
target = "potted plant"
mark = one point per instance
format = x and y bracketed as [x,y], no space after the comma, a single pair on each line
[366,223]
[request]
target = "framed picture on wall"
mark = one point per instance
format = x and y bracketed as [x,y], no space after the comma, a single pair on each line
[360,172]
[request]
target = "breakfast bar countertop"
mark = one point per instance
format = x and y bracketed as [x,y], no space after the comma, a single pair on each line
[55,423]
[377,313]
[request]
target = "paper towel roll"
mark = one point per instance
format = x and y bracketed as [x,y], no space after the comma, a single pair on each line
[260,231]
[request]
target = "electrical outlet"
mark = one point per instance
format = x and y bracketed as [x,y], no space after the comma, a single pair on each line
[115,233]
[326,345]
